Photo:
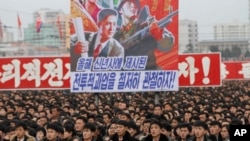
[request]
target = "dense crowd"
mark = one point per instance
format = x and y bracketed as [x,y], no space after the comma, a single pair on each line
[190,114]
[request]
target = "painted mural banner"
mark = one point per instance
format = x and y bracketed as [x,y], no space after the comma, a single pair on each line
[200,70]
[125,45]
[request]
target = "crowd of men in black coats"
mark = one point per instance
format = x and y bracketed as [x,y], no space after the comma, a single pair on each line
[190,114]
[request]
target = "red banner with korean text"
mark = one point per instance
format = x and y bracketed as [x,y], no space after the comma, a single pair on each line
[199,70]
[34,73]
[239,70]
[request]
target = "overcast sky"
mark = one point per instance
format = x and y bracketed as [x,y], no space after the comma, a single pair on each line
[205,12]
[210,12]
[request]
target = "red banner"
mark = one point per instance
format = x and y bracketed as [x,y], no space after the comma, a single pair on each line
[199,70]
[34,73]
[235,70]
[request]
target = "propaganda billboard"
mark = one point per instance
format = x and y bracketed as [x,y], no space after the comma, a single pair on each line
[200,70]
[124,45]
[33,73]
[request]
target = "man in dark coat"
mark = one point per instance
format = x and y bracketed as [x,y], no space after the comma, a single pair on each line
[122,134]
[21,128]
[155,132]
[215,129]
[200,131]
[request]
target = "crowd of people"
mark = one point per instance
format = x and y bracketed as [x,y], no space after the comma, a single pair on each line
[190,114]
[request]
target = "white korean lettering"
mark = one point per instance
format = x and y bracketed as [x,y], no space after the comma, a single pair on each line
[32,72]
[245,71]
[54,73]
[11,71]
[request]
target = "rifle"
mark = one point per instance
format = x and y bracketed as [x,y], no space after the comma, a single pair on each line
[144,32]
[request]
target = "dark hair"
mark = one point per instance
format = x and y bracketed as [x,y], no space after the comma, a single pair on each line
[21,124]
[103,14]
[226,126]
[201,124]
[122,122]
[158,105]
[91,116]
[146,121]
[84,119]
[9,129]
[166,126]
[177,119]
[213,123]
[2,128]
[41,129]
[69,127]
[204,113]
[123,1]
[156,122]
[133,125]
[90,126]
[236,121]
[186,125]
[52,126]
[55,107]
[126,114]
[187,112]
[32,132]
[108,114]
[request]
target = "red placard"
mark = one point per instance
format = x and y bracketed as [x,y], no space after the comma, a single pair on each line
[34,73]
[199,70]
[239,70]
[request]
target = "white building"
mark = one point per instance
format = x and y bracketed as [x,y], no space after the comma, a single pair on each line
[188,36]
[232,31]
[53,21]
[228,37]
[249,10]
[49,15]
[7,36]
[205,46]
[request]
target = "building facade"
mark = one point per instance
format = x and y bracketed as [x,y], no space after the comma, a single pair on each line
[188,36]
[249,10]
[224,46]
[232,31]
[5,35]
[53,31]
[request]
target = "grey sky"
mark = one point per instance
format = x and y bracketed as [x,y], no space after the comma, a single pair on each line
[25,8]
[205,12]
[210,12]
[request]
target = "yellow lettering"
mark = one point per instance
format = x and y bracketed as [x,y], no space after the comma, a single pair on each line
[166,5]
[154,5]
